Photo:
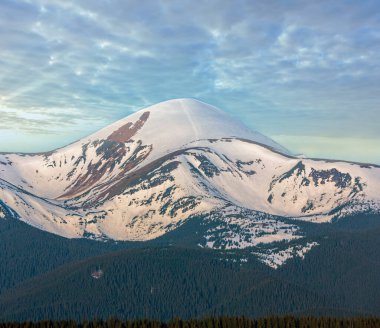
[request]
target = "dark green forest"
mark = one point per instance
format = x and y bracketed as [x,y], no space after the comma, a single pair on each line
[44,276]
[221,322]
[27,252]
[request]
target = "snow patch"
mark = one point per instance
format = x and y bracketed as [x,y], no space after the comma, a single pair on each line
[276,258]
[238,228]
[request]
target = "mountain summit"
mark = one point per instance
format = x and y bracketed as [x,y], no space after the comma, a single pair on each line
[179,122]
[174,162]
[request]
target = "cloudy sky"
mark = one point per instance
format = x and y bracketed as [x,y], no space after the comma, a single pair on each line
[306,73]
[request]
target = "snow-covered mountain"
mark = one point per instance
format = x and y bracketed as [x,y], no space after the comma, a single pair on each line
[149,173]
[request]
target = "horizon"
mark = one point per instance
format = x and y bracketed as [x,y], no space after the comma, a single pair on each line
[303,74]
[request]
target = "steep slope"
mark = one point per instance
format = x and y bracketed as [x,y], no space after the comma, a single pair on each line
[159,283]
[147,174]
[27,251]
[339,278]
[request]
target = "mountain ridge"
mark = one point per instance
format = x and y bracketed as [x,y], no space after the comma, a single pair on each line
[147,174]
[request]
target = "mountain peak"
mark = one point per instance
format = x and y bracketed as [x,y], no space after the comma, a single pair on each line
[183,101]
[178,122]
[184,106]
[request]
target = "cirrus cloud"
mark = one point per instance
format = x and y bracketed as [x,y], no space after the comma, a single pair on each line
[289,69]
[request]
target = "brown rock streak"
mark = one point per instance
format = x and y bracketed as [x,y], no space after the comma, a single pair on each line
[127,131]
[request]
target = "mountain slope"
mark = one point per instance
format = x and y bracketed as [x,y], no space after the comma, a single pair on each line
[148,283]
[148,174]
[339,278]
[28,252]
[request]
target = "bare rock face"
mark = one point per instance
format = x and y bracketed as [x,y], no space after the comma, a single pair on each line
[127,131]
[151,172]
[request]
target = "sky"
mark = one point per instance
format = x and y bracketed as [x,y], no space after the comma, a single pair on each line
[305,73]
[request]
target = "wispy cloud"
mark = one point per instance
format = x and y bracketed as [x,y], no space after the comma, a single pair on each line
[291,68]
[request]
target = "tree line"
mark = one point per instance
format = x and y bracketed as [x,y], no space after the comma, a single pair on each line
[212,322]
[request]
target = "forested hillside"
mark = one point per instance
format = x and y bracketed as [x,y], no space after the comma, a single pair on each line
[27,251]
[215,322]
[49,277]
